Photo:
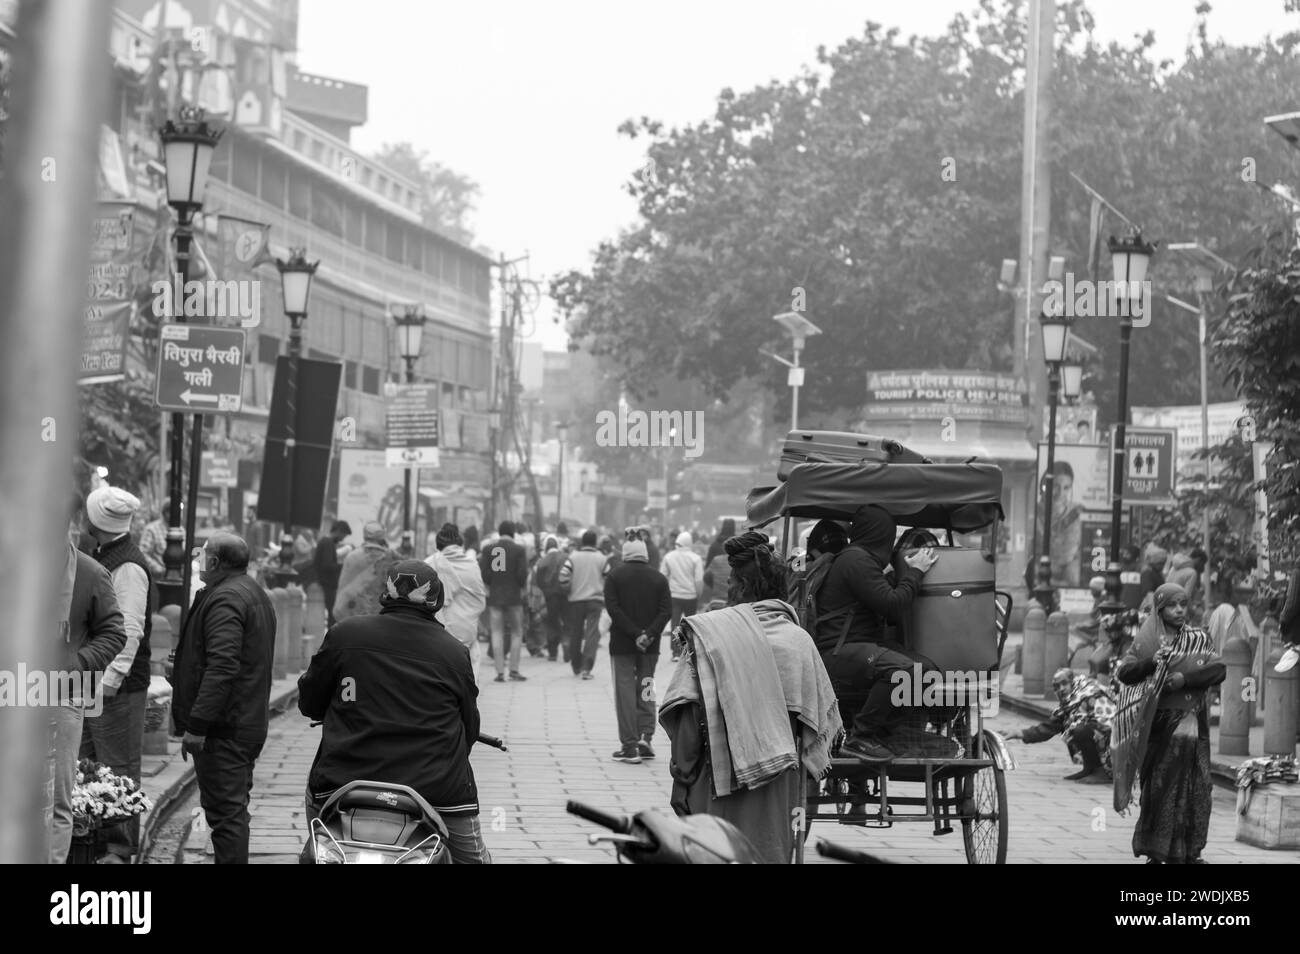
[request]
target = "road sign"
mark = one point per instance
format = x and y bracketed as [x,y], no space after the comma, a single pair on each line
[656,492]
[216,470]
[1149,454]
[200,369]
[411,425]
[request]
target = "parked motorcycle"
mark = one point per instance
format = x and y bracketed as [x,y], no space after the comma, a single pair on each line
[654,837]
[379,823]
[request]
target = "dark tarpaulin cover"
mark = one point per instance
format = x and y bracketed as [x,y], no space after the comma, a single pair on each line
[959,497]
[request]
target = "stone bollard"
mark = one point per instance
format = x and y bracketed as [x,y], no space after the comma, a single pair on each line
[280,600]
[161,642]
[294,606]
[1283,700]
[308,650]
[1056,638]
[314,618]
[1236,698]
[1032,658]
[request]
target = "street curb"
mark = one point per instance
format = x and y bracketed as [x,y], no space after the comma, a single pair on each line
[1222,772]
[179,789]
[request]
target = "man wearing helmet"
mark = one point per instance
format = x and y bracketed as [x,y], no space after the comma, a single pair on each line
[397,696]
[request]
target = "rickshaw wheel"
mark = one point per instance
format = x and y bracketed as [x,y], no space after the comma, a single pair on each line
[984,830]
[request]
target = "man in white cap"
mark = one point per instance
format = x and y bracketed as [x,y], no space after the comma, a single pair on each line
[636,596]
[685,572]
[116,736]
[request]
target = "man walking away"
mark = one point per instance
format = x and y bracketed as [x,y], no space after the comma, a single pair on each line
[639,607]
[221,689]
[582,577]
[91,634]
[116,736]
[547,575]
[399,704]
[505,571]
[361,580]
[464,592]
[326,563]
[685,572]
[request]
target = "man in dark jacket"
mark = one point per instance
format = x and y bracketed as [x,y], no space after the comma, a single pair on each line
[91,633]
[397,696]
[505,571]
[547,574]
[639,605]
[221,689]
[327,567]
[855,605]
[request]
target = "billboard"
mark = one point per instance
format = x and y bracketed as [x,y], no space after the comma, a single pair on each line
[934,395]
[369,490]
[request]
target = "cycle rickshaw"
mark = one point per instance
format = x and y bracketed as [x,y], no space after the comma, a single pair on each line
[967,789]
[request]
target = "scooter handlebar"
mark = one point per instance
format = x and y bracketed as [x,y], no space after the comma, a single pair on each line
[615,823]
[493,741]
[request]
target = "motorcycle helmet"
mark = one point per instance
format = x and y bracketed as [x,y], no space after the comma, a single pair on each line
[414,582]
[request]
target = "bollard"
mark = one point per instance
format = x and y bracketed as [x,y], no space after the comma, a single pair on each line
[308,649]
[1283,699]
[280,600]
[158,724]
[313,621]
[294,603]
[1032,659]
[1236,698]
[1056,638]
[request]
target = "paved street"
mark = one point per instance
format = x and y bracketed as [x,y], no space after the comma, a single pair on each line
[560,731]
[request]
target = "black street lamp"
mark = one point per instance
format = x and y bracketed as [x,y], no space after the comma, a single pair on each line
[188,143]
[295,287]
[1129,259]
[1055,334]
[410,321]
[562,433]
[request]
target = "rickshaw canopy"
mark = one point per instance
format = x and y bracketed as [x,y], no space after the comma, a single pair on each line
[959,497]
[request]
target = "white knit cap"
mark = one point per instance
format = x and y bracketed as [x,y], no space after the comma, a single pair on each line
[110,509]
[684,539]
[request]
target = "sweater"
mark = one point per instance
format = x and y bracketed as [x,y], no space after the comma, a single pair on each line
[638,601]
[685,572]
[583,573]
[132,584]
[504,566]
[855,582]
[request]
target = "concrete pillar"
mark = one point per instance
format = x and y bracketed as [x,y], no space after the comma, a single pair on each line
[1236,698]
[279,599]
[161,642]
[1032,658]
[1056,638]
[314,619]
[1283,700]
[295,601]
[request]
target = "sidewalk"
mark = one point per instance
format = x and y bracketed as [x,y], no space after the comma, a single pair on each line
[1013,696]
[167,779]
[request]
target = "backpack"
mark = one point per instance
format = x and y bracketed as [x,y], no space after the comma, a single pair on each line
[805,585]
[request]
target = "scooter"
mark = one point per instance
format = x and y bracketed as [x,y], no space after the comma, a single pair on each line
[653,837]
[379,823]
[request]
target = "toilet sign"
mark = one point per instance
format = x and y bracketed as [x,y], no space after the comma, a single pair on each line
[1149,466]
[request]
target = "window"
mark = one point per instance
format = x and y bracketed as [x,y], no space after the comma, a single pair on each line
[268,346]
[219,169]
[351,221]
[394,250]
[244,166]
[370,379]
[299,194]
[273,184]
[327,210]
[450,363]
[432,258]
[374,232]
[414,249]
[351,375]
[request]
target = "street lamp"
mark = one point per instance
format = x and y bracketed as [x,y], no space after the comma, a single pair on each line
[1129,259]
[562,433]
[1071,380]
[188,143]
[410,321]
[1055,335]
[295,288]
[1206,264]
[800,329]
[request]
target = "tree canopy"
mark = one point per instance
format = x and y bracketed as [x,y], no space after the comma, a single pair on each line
[449,197]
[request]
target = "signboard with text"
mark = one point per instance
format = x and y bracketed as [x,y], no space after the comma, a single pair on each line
[1149,466]
[106,324]
[411,425]
[934,395]
[200,369]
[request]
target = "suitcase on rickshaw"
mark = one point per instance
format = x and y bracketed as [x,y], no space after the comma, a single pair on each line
[841,447]
[953,617]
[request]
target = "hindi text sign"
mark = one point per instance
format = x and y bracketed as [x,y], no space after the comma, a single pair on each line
[411,425]
[1149,465]
[200,369]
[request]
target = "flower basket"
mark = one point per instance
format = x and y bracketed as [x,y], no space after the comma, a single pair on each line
[100,800]
[155,714]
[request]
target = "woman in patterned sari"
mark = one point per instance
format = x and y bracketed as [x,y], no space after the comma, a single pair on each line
[1161,734]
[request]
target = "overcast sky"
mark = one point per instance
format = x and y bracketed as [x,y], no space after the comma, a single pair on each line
[525,97]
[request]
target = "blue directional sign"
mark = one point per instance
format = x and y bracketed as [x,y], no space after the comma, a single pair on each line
[200,369]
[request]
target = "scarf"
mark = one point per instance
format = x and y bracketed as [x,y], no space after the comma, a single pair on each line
[1087,700]
[1138,702]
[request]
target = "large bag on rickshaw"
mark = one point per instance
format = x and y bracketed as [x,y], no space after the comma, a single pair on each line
[841,447]
[952,617]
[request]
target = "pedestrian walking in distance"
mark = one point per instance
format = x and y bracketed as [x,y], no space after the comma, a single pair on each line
[639,605]
[221,689]
[504,566]
[685,572]
[582,578]
[464,593]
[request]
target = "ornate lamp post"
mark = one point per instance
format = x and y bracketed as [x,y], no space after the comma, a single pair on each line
[188,144]
[295,287]
[1055,335]
[561,432]
[410,320]
[1129,258]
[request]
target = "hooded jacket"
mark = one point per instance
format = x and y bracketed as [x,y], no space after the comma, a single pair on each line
[464,592]
[685,571]
[1183,572]
[636,595]
[408,713]
[856,583]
